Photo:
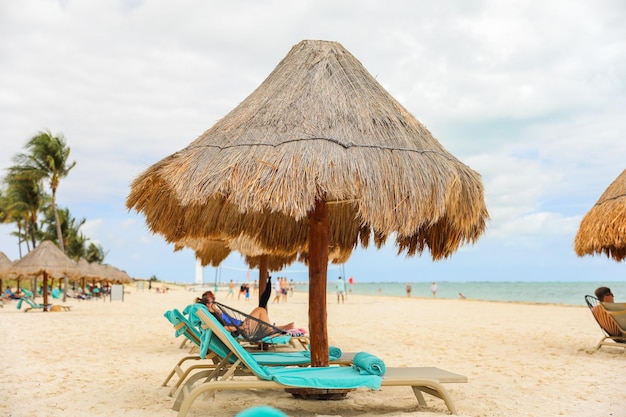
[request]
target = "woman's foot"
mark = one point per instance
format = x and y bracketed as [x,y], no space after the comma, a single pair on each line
[288,326]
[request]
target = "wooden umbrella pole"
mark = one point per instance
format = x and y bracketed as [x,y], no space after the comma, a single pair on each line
[318,264]
[45,291]
[263,274]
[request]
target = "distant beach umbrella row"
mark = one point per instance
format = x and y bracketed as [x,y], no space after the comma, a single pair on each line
[603,229]
[48,261]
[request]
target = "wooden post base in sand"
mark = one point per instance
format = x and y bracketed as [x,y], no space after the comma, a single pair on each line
[318,394]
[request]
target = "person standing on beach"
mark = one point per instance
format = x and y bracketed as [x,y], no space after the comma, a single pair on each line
[277,290]
[433,289]
[408,289]
[231,289]
[341,290]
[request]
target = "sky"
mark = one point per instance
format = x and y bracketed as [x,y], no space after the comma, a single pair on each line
[530,94]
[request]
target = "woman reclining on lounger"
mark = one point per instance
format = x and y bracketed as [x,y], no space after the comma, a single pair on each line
[260,312]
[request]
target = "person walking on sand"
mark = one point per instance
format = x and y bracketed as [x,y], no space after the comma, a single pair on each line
[231,289]
[433,289]
[277,291]
[408,289]
[341,290]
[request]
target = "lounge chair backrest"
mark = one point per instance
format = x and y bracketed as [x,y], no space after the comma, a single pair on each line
[183,326]
[221,339]
[605,319]
[618,312]
[249,328]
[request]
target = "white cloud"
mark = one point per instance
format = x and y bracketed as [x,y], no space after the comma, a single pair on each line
[529,94]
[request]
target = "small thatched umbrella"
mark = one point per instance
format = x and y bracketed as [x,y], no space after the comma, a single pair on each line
[603,229]
[318,158]
[5,264]
[117,275]
[47,260]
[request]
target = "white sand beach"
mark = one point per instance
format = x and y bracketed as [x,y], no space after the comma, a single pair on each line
[109,358]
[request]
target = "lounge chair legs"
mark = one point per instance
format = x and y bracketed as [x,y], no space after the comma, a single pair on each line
[186,399]
[436,390]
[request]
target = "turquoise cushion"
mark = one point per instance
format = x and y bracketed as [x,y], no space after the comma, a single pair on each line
[261,411]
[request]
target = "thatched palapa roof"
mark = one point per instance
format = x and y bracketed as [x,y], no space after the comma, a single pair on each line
[603,229]
[320,127]
[5,264]
[46,259]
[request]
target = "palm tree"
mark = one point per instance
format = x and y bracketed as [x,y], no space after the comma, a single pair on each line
[73,239]
[94,253]
[22,201]
[48,159]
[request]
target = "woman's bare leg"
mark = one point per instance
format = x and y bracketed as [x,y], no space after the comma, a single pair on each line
[261,314]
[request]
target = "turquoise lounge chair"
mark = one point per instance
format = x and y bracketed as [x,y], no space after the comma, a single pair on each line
[30,302]
[182,327]
[428,380]
[185,327]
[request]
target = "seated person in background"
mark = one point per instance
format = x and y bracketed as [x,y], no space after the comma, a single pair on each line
[10,294]
[260,312]
[605,295]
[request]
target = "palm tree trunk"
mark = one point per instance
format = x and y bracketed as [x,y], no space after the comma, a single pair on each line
[57,221]
[60,238]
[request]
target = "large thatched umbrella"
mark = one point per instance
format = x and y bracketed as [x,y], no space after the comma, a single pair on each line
[5,264]
[318,158]
[603,229]
[47,260]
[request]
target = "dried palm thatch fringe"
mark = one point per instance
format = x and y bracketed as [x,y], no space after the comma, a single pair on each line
[320,127]
[212,251]
[95,272]
[603,229]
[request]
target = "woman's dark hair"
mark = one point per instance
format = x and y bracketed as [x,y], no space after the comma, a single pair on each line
[205,297]
[601,292]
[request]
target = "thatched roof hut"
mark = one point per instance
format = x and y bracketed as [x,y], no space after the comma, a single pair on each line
[319,124]
[5,264]
[603,229]
[319,158]
[47,260]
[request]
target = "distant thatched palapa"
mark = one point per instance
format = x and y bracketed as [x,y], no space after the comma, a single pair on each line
[603,229]
[47,260]
[5,264]
[319,158]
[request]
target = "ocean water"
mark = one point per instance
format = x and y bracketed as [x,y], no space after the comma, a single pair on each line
[568,293]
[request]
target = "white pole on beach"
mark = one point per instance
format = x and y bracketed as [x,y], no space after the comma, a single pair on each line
[199,272]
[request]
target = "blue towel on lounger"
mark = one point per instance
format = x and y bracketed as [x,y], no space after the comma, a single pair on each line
[261,411]
[332,377]
[367,363]
[334,353]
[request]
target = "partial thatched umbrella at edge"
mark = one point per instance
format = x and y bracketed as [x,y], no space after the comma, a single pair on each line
[5,264]
[603,229]
[47,260]
[318,157]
